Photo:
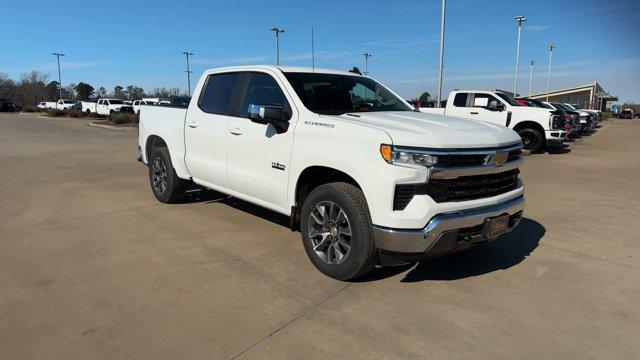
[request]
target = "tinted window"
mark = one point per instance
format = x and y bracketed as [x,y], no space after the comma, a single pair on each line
[508,99]
[219,93]
[262,89]
[116,102]
[483,100]
[336,94]
[460,100]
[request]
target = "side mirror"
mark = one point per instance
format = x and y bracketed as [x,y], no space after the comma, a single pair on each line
[269,114]
[495,105]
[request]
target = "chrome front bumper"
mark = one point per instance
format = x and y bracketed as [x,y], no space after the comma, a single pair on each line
[445,227]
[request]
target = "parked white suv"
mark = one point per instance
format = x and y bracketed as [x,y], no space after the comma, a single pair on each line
[366,178]
[537,127]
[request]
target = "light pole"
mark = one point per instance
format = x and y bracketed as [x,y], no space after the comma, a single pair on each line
[278,31]
[519,20]
[187,54]
[551,47]
[366,62]
[441,65]
[531,75]
[59,75]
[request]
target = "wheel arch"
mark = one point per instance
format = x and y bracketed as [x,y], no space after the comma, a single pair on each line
[310,178]
[529,124]
[153,142]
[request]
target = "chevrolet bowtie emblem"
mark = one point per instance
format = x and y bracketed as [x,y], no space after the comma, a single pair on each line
[498,159]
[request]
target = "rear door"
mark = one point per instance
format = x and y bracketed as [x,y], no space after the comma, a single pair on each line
[206,128]
[258,164]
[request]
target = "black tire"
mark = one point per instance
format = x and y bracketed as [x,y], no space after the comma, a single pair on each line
[166,186]
[532,140]
[88,111]
[362,254]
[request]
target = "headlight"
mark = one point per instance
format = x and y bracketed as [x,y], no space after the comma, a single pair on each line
[394,155]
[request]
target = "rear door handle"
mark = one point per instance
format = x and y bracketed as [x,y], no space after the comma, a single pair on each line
[474,113]
[236,131]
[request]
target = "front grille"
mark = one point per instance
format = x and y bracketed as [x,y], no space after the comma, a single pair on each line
[458,189]
[460,160]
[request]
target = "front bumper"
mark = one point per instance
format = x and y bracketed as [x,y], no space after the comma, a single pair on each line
[446,232]
[555,136]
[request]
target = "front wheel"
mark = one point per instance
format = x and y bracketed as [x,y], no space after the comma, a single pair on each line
[532,140]
[337,232]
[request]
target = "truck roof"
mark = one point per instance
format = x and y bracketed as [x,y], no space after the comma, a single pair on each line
[283,69]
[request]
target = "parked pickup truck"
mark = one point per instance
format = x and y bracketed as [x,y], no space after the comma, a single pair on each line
[365,177]
[537,127]
[110,106]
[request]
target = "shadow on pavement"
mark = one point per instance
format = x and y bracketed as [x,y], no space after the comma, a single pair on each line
[197,194]
[500,254]
[559,149]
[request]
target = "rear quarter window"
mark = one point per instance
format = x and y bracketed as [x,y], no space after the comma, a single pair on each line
[460,100]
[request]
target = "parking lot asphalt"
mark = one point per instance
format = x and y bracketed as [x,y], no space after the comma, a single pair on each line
[93,267]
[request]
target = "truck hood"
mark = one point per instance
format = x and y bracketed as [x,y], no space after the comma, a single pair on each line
[433,131]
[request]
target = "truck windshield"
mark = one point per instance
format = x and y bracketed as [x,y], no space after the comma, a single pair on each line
[508,99]
[335,94]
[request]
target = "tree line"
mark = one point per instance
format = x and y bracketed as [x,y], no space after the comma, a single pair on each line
[35,86]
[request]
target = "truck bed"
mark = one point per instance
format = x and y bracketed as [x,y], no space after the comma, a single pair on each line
[167,123]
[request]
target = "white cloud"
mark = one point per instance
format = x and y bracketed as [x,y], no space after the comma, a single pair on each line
[536,27]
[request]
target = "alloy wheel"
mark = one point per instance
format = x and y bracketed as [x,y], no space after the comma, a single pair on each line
[330,232]
[159,176]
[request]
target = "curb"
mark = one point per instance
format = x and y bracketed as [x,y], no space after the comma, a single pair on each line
[110,127]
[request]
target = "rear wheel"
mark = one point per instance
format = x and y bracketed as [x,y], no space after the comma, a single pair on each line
[532,140]
[337,232]
[165,184]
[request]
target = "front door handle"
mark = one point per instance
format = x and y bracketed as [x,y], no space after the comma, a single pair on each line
[474,113]
[193,125]
[236,131]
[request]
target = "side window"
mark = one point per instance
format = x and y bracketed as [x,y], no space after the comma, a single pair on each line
[460,100]
[483,100]
[106,102]
[262,89]
[217,97]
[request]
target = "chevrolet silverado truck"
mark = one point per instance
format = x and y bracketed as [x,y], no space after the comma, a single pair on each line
[366,179]
[538,127]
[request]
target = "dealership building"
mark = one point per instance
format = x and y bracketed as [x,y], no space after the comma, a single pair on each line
[591,96]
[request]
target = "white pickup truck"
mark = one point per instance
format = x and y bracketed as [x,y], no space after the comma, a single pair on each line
[365,177]
[537,127]
[110,106]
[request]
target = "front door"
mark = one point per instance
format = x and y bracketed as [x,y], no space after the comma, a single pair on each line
[259,157]
[479,108]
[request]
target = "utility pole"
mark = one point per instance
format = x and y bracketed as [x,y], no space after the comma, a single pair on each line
[519,20]
[551,47]
[366,62]
[187,54]
[278,31]
[59,75]
[441,66]
[531,75]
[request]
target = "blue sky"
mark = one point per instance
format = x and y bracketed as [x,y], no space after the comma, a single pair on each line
[139,43]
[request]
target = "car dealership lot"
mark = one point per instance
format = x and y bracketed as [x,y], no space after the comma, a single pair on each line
[94,267]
